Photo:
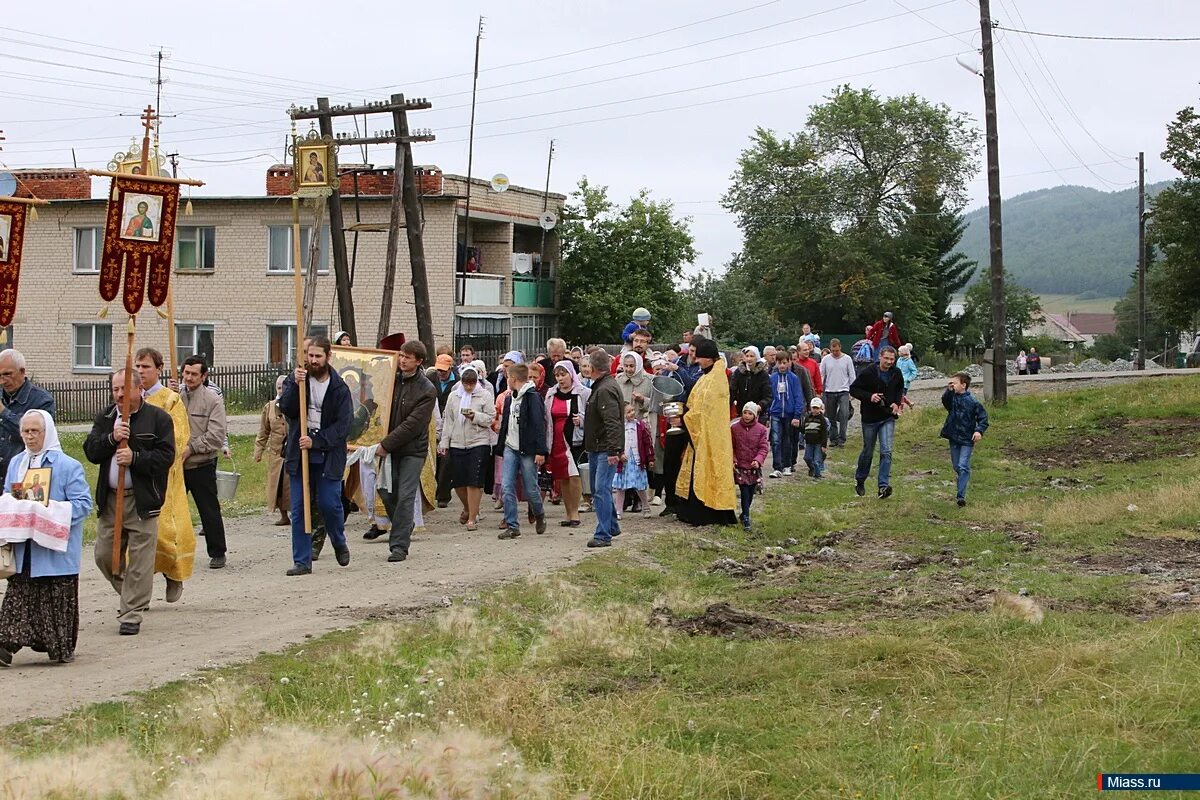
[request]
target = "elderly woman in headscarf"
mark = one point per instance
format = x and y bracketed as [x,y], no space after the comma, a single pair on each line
[272,434]
[566,405]
[41,606]
[466,438]
[705,489]
[635,384]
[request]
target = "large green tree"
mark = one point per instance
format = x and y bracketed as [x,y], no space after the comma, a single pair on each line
[1174,283]
[1022,306]
[828,213]
[616,258]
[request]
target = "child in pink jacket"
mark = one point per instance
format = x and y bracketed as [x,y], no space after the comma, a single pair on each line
[750,450]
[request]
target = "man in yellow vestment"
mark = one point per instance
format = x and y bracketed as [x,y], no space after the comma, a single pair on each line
[176,538]
[705,486]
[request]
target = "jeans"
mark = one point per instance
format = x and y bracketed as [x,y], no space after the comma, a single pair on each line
[783,443]
[814,458]
[837,407]
[406,482]
[517,465]
[602,497]
[883,432]
[201,481]
[328,495]
[747,490]
[960,458]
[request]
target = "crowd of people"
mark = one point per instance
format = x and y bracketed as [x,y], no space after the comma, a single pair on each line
[675,426]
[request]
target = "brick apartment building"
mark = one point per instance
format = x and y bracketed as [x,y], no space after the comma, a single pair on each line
[233,278]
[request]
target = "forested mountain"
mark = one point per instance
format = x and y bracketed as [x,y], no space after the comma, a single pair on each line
[1064,240]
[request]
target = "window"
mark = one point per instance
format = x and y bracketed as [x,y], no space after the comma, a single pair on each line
[489,335]
[281,341]
[530,332]
[88,244]
[195,247]
[194,340]
[279,257]
[93,347]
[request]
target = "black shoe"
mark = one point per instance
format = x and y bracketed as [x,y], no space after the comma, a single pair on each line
[540,525]
[569,523]
[300,569]
[667,512]
[860,488]
[373,534]
[962,501]
[217,563]
[130,628]
[885,492]
[443,505]
[397,556]
[509,533]
[343,556]
[67,659]
[599,543]
[5,658]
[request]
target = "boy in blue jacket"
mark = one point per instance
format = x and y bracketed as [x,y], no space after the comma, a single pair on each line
[966,422]
[787,407]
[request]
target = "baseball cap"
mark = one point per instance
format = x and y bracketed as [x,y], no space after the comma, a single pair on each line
[817,403]
[444,362]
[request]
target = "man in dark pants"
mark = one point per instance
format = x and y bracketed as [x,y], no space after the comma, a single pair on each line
[145,445]
[407,443]
[206,420]
[330,412]
[879,389]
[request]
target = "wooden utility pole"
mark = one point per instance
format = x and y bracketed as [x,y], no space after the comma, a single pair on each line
[999,310]
[471,142]
[404,196]
[1141,265]
[341,262]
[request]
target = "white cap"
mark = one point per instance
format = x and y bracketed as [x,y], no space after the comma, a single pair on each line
[752,406]
[817,403]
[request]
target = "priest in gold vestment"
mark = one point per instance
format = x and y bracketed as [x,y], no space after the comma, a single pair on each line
[705,486]
[176,548]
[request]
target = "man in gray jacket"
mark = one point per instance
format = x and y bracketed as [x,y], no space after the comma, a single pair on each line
[206,417]
[604,440]
[407,443]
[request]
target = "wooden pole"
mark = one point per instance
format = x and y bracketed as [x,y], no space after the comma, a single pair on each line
[1141,266]
[337,237]
[171,329]
[393,243]
[999,311]
[416,241]
[302,388]
[119,511]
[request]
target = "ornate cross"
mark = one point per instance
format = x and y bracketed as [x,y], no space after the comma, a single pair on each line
[148,120]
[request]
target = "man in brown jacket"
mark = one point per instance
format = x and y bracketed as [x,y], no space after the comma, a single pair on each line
[206,418]
[407,443]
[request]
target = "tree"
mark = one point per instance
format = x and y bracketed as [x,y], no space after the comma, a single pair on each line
[617,258]
[1126,312]
[826,212]
[1174,285]
[739,314]
[1024,309]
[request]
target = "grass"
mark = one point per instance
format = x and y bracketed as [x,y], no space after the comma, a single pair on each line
[1062,303]
[905,683]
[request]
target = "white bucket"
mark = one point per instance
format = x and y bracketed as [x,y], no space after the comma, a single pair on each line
[227,483]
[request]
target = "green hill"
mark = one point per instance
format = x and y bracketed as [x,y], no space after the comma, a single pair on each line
[1065,240]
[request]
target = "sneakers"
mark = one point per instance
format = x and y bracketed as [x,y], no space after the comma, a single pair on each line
[962,501]
[130,628]
[656,501]
[787,472]
[374,533]
[777,474]
[397,555]
[586,508]
[215,563]
[342,556]
[540,525]
[299,569]
[885,492]
[860,488]
[174,590]
[593,542]
[647,514]
[509,533]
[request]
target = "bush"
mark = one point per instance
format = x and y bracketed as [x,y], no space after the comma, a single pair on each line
[1109,347]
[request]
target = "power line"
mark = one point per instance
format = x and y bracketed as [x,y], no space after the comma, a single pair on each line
[1101,38]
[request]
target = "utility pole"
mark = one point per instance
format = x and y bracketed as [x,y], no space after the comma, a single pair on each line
[546,198]
[341,262]
[413,226]
[1141,263]
[999,311]
[471,140]
[174,158]
[393,243]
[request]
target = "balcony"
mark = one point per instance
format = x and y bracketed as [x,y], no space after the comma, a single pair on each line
[531,292]
[474,289]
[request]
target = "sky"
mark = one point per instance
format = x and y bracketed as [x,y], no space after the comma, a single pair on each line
[658,95]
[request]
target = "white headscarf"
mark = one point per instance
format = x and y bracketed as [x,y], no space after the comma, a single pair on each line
[637,360]
[464,397]
[51,442]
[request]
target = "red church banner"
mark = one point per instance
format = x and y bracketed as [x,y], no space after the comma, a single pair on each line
[139,239]
[12,234]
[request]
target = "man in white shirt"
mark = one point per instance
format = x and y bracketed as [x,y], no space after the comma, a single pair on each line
[837,373]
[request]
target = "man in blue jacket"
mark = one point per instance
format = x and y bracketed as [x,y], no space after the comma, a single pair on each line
[787,407]
[19,394]
[330,412]
[966,422]
[522,445]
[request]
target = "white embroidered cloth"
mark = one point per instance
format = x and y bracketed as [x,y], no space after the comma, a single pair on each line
[29,520]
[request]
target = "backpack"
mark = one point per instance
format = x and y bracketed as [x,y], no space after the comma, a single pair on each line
[865,352]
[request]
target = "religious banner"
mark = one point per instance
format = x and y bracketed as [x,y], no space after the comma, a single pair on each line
[139,239]
[12,234]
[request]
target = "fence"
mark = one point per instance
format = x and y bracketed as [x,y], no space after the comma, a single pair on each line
[246,387]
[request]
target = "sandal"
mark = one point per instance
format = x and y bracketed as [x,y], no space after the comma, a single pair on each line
[471,526]
[463,518]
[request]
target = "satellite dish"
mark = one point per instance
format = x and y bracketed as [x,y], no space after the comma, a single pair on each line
[547,220]
[499,182]
[8,184]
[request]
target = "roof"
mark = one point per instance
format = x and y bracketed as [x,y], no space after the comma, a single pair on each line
[1093,324]
[1068,332]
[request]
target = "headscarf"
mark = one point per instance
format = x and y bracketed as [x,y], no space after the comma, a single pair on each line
[538,380]
[51,442]
[514,356]
[569,366]
[757,355]
[338,336]
[464,397]
[637,358]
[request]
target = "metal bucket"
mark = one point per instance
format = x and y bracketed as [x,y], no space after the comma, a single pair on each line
[227,483]
[585,477]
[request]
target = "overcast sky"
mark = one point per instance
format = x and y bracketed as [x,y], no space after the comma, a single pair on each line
[661,95]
